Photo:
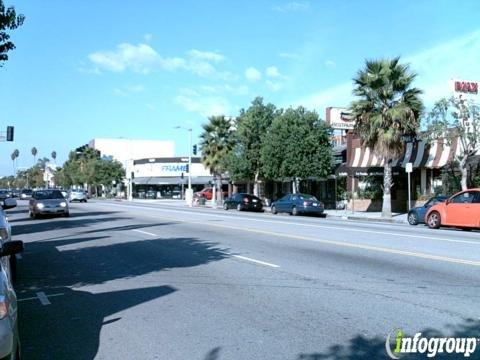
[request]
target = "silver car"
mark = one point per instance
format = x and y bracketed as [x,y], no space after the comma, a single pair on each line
[9,338]
[77,195]
[48,202]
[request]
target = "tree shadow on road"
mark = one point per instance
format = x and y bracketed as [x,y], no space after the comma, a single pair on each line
[75,319]
[70,327]
[364,348]
[60,224]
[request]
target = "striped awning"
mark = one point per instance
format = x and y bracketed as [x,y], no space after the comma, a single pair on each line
[421,154]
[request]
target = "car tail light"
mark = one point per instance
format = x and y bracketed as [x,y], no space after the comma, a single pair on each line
[3,307]
[4,234]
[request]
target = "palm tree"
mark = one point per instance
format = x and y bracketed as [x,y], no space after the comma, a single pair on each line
[34,153]
[216,141]
[54,156]
[17,154]
[13,157]
[386,109]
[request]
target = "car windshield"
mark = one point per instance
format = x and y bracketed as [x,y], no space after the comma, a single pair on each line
[48,194]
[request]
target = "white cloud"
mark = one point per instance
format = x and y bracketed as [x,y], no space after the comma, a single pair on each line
[330,64]
[128,90]
[148,37]
[253,74]
[240,90]
[206,55]
[141,58]
[274,85]
[340,95]
[435,66]
[290,55]
[293,6]
[272,71]
[204,105]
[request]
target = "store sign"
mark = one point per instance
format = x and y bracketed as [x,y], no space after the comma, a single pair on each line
[339,118]
[174,168]
[469,87]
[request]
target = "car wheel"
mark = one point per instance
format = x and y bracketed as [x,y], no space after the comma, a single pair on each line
[412,218]
[239,207]
[274,210]
[225,206]
[434,220]
[85,200]
[67,214]
[294,211]
[33,215]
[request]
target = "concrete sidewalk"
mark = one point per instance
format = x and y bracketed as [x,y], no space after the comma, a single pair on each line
[335,214]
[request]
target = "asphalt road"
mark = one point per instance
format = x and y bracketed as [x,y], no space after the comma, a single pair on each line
[131,281]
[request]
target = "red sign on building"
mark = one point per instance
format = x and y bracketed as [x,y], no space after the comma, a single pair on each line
[469,87]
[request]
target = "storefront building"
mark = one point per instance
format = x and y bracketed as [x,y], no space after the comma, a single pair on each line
[165,177]
[429,161]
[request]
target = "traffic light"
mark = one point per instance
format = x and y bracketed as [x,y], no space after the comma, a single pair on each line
[132,175]
[195,149]
[182,176]
[187,169]
[10,133]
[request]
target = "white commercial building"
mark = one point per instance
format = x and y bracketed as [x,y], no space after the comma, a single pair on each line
[166,176]
[124,150]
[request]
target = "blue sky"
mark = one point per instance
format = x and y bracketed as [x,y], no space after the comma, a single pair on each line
[88,69]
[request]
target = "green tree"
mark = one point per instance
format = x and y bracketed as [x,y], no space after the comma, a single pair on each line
[54,156]
[387,108]
[252,127]
[298,146]
[216,141]
[8,21]
[34,153]
[456,119]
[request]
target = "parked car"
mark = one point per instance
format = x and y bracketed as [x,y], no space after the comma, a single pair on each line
[462,210]
[77,195]
[207,193]
[242,201]
[26,194]
[45,202]
[6,230]
[416,215]
[4,193]
[9,336]
[16,193]
[151,194]
[295,204]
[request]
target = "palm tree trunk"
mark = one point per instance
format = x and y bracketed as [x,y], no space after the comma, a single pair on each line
[387,185]
[219,189]
[464,171]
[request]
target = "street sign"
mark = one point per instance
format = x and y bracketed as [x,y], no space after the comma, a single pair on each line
[409,167]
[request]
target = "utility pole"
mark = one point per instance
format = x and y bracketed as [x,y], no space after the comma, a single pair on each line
[189,192]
